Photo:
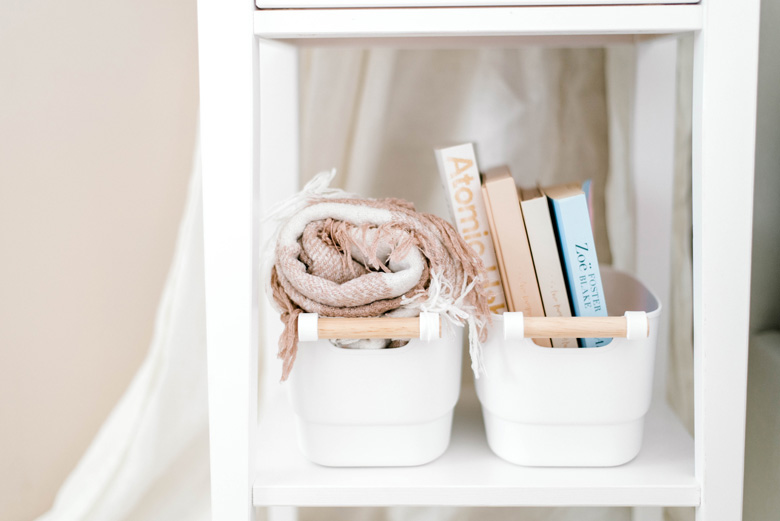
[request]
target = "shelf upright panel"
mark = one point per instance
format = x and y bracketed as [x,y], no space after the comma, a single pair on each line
[724,117]
[277,164]
[226,56]
[652,168]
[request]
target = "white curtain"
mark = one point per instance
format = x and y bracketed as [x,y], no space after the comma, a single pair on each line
[376,115]
[149,461]
[552,115]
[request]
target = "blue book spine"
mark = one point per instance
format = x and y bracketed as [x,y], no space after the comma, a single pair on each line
[580,263]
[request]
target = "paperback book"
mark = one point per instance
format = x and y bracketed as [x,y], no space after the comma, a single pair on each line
[571,218]
[511,244]
[460,177]
[544,250]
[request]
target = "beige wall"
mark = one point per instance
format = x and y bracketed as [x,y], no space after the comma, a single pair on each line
[97,121]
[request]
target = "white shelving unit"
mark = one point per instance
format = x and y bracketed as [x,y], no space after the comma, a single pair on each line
[248,85]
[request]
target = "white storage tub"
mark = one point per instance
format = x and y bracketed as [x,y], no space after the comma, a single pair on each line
[383,407]
[567,406]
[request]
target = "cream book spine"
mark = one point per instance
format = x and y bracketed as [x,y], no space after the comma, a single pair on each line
[547,261]
[518,276]
[460,177]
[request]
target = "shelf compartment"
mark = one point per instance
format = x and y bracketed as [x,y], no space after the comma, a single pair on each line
[476,22]
[469,474]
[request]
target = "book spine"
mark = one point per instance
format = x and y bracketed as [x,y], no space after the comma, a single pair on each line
[580,263]
[549,273]
[460,178]
[519,277]
[508,306]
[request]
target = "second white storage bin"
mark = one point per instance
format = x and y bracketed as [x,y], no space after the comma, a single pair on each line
[384,407]
[567,406]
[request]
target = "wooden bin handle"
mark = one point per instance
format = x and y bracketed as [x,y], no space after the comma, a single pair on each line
[632,325]
[427,326]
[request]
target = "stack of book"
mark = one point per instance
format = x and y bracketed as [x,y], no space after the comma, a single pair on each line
[536,244]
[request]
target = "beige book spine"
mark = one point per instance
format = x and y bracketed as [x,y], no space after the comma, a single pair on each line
[544,250]
[519,276]
[497,248]
[460,178]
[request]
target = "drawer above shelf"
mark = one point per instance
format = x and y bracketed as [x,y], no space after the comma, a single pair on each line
[469,24]
[469,474]
[325,4]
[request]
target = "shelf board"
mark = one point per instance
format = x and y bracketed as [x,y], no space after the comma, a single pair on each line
[469,474]
[476,22]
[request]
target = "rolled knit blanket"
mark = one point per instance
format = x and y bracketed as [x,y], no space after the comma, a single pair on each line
[342,256]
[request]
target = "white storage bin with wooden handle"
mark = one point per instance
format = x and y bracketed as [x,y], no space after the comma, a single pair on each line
[384,407]
[572,406]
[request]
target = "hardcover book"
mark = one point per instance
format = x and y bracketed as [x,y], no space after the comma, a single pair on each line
[544,250]
[569,209]
[516,264]
[460,177]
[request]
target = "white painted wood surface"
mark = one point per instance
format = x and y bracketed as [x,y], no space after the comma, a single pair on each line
[476,21]
[277,163]
[291,4]
[724,116]
[226,56]
[652,165]
[470,474]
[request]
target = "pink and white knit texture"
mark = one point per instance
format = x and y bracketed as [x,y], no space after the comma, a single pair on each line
[356,257]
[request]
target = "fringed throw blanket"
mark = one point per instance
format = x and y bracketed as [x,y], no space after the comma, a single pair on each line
[344,256]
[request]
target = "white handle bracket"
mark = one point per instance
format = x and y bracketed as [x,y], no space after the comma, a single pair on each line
[307,327]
